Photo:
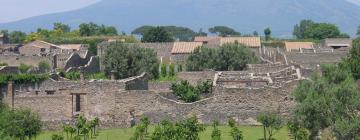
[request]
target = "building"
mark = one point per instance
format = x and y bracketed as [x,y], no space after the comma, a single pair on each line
[298,46]
[341,44]
[216,41]
[181,50]
[1,39]
[39,48]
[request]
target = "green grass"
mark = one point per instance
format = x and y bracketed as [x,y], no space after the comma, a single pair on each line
[249,133]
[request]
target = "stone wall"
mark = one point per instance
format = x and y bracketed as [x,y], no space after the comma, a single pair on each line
[196,77]
[312,60]
[16,60]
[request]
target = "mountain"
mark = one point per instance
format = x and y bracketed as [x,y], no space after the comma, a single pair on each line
[245,16]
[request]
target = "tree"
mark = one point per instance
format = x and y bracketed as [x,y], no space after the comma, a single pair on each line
[353,59]
[141,129]
[223,31]
[157,34]
[57,137]
[235,133]
[190,128]
[271,122]
[358,31]
[163,70]
[228,57]
[298,131]
[44,66]
[92,29]
[299,30]
[267,33]
[201,33]
[17,37]
[5,34]
[20,123]
[329,100]
[322,31]
[180,33]
[255,33]
[132,61]
[172,70]
[216,133]
[61,27]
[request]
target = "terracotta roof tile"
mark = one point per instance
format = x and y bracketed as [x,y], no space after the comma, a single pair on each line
[206,38]
[71,46]
[248,41]
[185,47]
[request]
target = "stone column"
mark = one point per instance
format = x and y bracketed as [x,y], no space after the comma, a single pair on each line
[113,74]
[10,94]
[82,76]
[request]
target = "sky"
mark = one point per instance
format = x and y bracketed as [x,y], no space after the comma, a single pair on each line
[12,10]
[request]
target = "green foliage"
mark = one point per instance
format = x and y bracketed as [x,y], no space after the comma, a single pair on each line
[189,93]
[61,27]
[20,123]
[232,122]
[297,131]
[24,68]
[141,131]
[229,57]
[3,64]
[308,29]
[180,33]
[353,59]
[358,31]
[92,29]
[22,78]
[44,66]
[17,37]
[157,34]
[180,68]
[100,75]
[172,70]
[73,75]
[57,137]
[216,133]
[329,100]
[132,62]
[163,70]
[271,122]
[223,31]
[267,33]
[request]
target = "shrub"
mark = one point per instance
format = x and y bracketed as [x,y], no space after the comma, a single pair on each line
[172,70]
[57,137]
[24,68]
[163,70]
[74,75]
[44,66]
[189,93]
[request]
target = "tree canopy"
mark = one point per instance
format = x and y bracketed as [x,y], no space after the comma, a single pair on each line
[179,33]
[157,34]
[62,27]
[267,33]
[224,31]
[308,29]
[330,100]
[132,62]
[225,58]
[91,29]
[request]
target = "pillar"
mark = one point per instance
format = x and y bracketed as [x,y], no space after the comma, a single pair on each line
[82,76]
[113,74]
[10,94]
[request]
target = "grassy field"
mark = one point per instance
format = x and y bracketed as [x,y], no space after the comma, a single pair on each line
[249,133]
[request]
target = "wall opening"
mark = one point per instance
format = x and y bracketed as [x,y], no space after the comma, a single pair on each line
[77,103]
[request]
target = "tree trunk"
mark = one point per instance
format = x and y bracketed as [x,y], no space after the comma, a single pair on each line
[264,133]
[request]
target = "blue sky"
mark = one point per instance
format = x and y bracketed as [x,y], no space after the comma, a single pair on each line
[12,10]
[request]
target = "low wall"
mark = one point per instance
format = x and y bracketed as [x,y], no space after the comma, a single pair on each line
[16,60]
[196,77]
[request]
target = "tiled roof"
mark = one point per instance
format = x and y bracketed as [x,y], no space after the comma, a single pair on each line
[40,44]
[185,47]
[248,41]
[206,38]
[297,45]
[71,46]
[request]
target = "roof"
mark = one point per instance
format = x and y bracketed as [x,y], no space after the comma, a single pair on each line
[206,38]
[248,41]
[338,41]
[40,44]
[71,46]
[185,47]
[298,45]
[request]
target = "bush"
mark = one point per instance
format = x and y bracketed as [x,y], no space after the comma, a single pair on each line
[74,75]
[57,137]
[44,66]
[189,93]
[163,70]
[24,68]
[3,64]
[22,78]
[229,57]
[172,70]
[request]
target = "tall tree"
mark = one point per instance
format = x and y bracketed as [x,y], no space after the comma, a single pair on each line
[322,31]
[224,31]
[61,27]
[16,37]
[267,33]
[300,29]
[132,61]
[157,34]
[271,122]
[179,33]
